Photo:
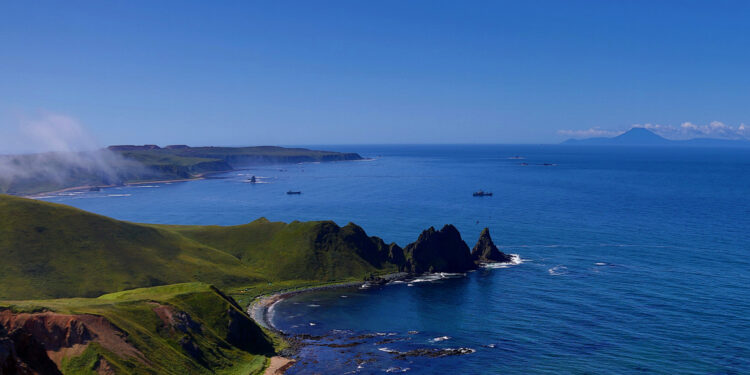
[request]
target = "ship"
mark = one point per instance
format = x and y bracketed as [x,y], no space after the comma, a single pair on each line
[293,192]
[482,193]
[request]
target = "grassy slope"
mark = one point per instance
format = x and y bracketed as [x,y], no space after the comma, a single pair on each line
[133,312]
[52,251]
[55,251]
[284,251]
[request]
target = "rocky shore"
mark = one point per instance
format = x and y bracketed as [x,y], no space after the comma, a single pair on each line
[435,251]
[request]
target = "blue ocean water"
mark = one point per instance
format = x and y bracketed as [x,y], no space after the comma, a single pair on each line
[635,259]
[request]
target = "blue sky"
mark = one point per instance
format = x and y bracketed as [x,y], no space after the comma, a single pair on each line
[330,72]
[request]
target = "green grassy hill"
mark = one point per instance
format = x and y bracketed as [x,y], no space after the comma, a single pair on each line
[51,251]
[177,329]
[55,251]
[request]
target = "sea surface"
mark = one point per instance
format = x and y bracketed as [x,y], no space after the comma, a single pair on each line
[634,260]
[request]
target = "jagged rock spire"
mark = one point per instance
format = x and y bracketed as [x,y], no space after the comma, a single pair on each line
[485,250]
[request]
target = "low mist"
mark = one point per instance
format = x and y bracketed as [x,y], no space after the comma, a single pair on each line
[66,154]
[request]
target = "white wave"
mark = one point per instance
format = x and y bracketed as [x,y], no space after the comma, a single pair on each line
[441,338]
[413,332]
[409,284]
[388,350]
[515,260]
[146,186]
[558,270]
[313,324]
[397,369]
[397,282]
[600,264]
[313,305]
[436,276]
[344,296]
[118,195]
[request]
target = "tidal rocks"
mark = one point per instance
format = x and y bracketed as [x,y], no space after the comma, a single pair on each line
[375,280]
[439,251]
[485,250]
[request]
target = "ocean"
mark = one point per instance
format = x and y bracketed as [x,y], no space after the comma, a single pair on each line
[633,260]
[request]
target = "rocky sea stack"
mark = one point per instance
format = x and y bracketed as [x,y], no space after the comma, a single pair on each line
[485,250]
[439,251]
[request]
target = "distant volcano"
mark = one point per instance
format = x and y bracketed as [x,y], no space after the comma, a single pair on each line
[645,137]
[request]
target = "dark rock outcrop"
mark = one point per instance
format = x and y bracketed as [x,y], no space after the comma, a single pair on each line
[439,251]
[485,250]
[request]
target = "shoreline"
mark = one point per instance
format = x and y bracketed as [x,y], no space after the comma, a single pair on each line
[87,187]
[197,177]
[260,307]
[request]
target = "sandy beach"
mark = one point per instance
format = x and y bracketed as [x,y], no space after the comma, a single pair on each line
[278,365]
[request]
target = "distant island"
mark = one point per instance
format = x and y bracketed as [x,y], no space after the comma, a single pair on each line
[644,137]
[84,293]
[118,165]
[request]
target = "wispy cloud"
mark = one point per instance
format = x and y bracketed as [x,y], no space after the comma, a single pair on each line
[589,133]
[46,132]
[686,130]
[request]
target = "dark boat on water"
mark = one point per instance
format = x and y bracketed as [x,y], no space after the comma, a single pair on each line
[293,192]
[482,193]
[252,180]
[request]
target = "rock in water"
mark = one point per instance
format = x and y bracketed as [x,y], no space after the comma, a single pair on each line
[485,250]
[439,251]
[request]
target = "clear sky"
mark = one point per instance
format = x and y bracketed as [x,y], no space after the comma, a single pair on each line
[330,72]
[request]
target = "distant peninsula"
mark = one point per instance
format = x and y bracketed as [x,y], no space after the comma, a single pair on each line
[29,174]
[644,137]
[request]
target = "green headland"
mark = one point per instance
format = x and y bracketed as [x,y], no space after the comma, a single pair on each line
[143,298]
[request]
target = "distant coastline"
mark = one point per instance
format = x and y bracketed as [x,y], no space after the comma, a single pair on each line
[33,175]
